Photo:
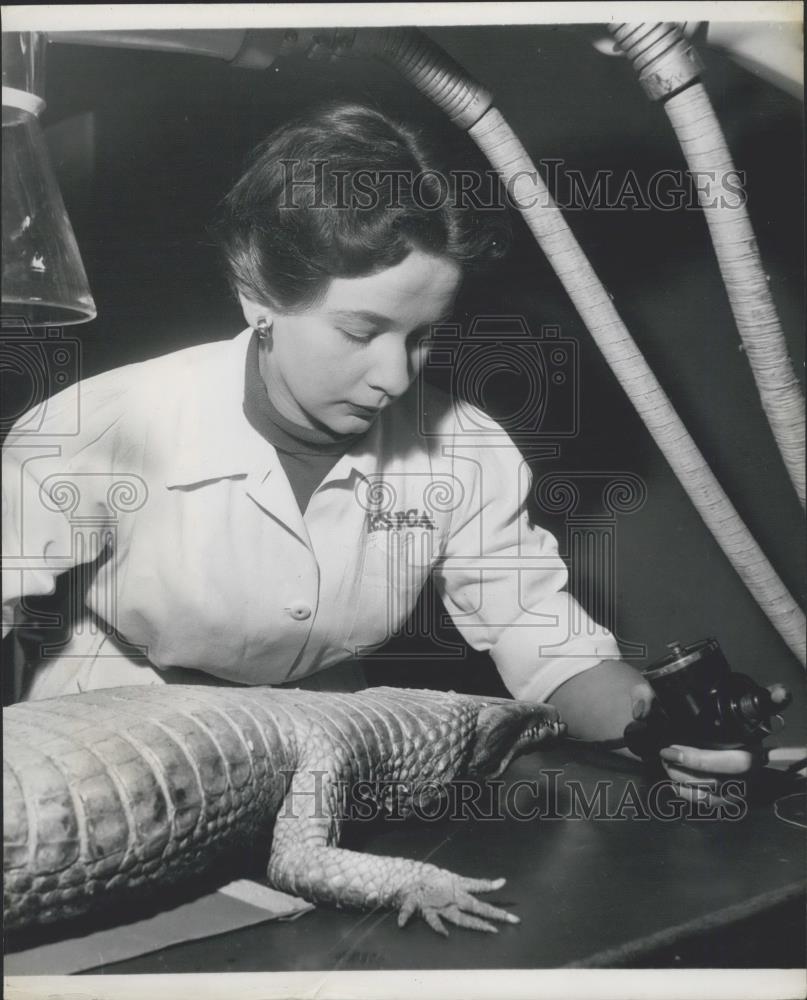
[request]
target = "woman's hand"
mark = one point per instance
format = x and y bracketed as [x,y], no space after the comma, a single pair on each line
[699,774]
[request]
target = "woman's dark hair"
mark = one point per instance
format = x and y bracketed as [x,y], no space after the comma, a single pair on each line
[343,192]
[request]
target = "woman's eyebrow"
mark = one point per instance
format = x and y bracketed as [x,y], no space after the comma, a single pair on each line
[374,317]
[365,314]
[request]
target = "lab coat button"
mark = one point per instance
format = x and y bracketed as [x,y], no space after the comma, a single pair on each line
[300,611]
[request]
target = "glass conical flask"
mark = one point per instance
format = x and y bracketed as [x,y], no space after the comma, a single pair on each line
[44,282]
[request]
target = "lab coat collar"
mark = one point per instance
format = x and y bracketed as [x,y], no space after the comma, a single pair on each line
[216,441]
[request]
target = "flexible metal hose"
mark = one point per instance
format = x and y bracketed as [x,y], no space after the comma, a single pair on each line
[469,105]
[668,70]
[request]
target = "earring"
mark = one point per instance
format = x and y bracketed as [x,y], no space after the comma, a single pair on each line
[263,328]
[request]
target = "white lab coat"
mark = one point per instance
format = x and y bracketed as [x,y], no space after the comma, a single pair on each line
[203,559]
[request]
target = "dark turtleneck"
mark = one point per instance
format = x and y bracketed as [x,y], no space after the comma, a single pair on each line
[307,454]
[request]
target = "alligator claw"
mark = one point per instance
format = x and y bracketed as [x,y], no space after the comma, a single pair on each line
[449,897]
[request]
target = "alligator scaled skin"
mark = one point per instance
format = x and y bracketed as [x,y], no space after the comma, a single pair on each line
[120,791]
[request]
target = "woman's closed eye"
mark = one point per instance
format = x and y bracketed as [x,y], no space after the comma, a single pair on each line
[417,338]
[357,336]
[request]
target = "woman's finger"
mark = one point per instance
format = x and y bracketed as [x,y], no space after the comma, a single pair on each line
[696,779]
[713,761]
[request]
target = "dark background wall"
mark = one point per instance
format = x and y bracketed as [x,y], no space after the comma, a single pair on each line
[145,145]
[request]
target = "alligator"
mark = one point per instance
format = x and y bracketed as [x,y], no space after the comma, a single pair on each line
[113,793]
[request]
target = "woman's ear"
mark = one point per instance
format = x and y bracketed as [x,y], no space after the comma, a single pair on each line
[255,313]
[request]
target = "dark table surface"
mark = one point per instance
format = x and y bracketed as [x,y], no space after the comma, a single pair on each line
[589,891]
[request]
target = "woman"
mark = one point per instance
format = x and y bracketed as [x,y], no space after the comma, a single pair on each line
[259,509]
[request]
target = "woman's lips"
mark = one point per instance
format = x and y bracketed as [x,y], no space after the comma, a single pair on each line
[364,411]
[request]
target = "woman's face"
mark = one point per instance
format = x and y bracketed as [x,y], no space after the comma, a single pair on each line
[339,363]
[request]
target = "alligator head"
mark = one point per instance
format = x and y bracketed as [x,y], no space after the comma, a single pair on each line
[505,729]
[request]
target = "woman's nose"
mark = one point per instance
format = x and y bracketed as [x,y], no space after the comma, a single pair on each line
[391,371]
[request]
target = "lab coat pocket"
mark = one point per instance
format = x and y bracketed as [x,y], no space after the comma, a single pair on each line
[391,572]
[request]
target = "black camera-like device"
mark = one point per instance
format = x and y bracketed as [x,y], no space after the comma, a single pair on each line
[701,702]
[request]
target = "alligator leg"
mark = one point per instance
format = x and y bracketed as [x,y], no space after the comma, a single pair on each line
[305,862]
